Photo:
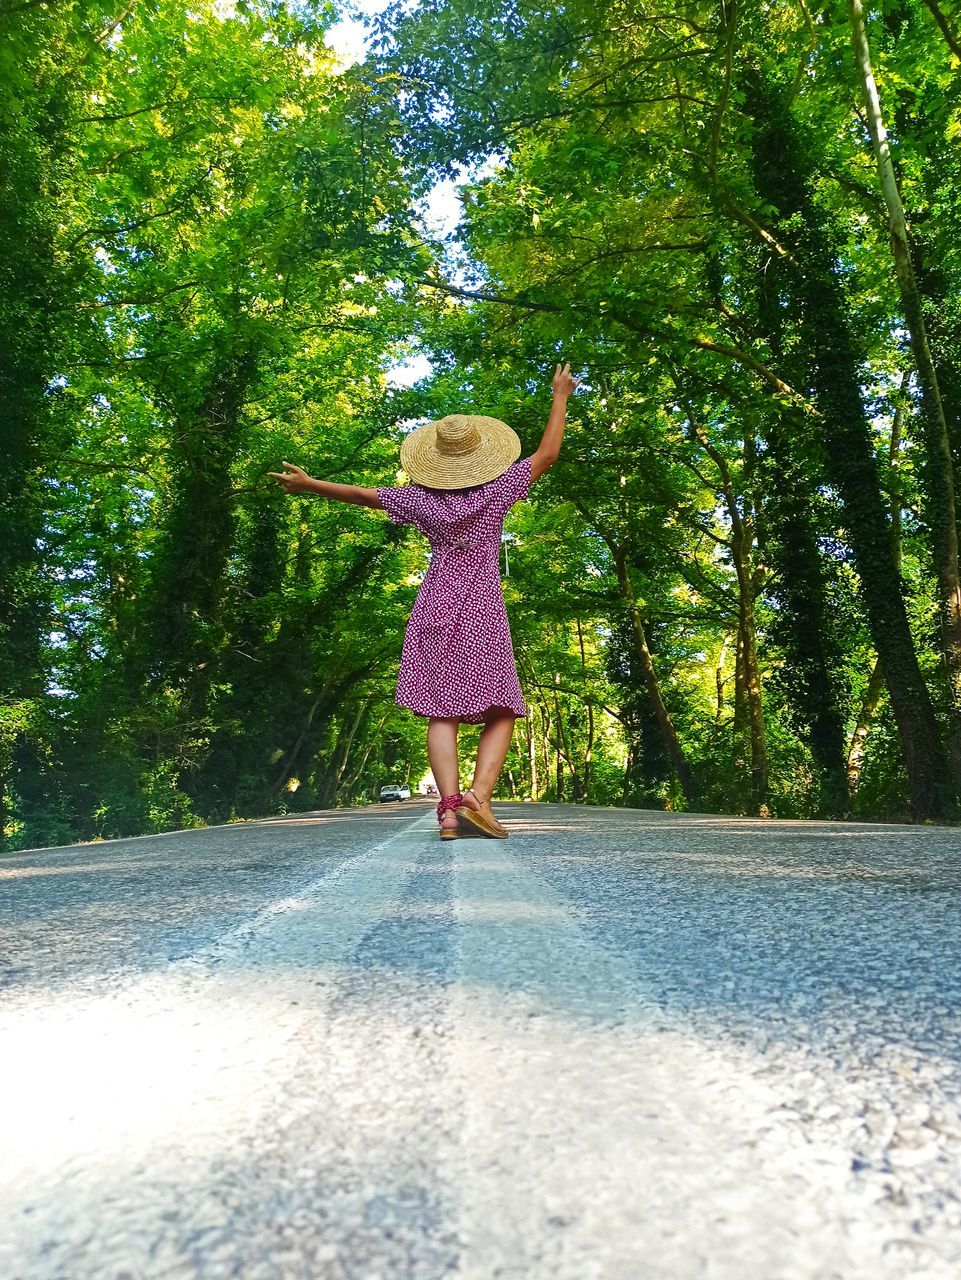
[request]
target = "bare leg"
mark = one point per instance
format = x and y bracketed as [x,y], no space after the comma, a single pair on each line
[492,747]
[442,754]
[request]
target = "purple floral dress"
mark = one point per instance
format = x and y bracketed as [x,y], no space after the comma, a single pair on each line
[458,659]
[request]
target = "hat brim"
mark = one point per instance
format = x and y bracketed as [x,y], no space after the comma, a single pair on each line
[497,448]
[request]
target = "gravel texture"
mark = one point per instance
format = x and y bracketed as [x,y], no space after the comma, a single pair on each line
[620,1045]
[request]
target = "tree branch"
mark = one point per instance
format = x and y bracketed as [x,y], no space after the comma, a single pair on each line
[946,31]
[122,115]
[705,344]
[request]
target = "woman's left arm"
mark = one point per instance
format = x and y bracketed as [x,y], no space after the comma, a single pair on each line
[296,480]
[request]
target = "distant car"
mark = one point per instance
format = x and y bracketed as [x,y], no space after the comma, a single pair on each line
[394,792]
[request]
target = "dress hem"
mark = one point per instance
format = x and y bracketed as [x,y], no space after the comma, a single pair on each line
[468,717]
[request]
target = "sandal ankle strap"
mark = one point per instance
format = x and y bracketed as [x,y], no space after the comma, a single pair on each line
[449,802]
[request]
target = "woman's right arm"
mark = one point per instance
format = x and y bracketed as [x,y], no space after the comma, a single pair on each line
[550,446]
[296,480]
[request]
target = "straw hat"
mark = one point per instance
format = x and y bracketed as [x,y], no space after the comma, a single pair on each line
[459,451]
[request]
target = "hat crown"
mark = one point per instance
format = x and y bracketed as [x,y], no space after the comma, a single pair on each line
[457,435]
[459,451]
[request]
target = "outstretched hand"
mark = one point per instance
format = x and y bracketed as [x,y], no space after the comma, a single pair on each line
[294,479]
[564,381]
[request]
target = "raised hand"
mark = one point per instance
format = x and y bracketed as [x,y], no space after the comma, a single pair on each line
[294,479]
[564,381]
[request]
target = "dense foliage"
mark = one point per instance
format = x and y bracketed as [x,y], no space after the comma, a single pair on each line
[738,589]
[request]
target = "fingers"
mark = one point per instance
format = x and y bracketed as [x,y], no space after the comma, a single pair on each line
[562,373]
[287,480]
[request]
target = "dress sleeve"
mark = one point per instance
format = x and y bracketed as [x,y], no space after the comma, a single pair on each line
[514,484]
[402,504]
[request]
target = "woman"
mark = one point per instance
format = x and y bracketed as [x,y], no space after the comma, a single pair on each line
[457,665]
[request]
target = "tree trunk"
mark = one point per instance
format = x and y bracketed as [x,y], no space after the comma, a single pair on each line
[350,786]
[589,748]
[741,555]
[309,734]
[661,714]
[544,743]
[780,172]
[944,333]
[856,750]
[742,540]
[740,726]
[628,771]
[558,759]
[339,764]
[755,710]
[939,478]
[186,636]
[659,710]
[795,467]
[872,694]
[719,680]
[563,743]
[39,166]
[285,772]
[531,754]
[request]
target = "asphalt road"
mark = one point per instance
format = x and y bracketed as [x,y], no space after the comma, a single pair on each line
[619,1045]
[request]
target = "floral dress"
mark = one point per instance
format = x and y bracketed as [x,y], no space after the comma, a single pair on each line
[458,659]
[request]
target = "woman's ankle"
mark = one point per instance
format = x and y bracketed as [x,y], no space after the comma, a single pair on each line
[481,796]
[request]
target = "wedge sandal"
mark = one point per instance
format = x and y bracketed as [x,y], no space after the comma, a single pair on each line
[474,822]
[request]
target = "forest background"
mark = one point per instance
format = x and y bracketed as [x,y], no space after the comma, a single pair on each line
[738,588]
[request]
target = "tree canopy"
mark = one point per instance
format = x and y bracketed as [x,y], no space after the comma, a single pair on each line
[737,589]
